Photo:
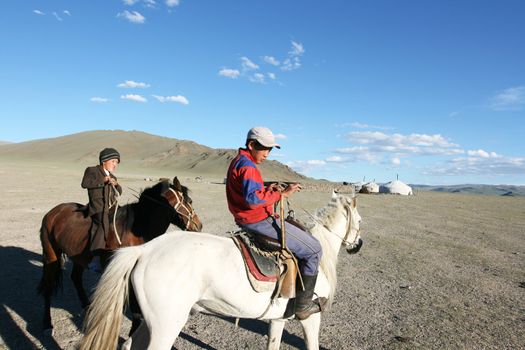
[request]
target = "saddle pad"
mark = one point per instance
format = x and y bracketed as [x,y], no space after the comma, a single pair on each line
[260,282]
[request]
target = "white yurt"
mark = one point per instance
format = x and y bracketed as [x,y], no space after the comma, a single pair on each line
[369,187]
[357,186]
[396,187]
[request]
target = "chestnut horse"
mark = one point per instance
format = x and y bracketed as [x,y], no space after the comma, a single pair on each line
[65,231]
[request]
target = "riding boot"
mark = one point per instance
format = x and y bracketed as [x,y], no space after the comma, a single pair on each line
[304,305]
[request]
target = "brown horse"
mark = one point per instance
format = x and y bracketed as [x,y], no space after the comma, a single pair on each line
[65,231]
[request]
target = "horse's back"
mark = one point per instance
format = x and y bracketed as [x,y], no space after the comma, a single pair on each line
[67,226]
[181,255]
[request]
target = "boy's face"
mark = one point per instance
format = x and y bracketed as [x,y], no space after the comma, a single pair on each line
[258,152]
[111,165]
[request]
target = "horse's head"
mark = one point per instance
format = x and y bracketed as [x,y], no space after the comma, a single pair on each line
[352,239]
[177,197]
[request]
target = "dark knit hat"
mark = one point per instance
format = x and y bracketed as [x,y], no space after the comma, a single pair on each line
[107,154]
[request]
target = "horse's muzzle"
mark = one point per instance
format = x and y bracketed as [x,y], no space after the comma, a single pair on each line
[354,248]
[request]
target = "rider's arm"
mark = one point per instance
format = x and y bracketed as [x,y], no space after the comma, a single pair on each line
[254,192]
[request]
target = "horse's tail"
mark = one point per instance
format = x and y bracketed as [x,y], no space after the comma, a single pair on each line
[53,264]
[104,316]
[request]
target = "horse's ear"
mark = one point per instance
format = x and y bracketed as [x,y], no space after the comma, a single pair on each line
[176,184]
[334,194]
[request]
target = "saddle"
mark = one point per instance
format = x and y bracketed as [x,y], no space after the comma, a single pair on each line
[268,266]
[84,209]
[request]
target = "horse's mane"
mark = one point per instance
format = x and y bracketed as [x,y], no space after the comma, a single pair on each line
[148,199]
[324,218]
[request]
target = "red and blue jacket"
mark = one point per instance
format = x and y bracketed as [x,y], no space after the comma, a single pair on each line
[248,200]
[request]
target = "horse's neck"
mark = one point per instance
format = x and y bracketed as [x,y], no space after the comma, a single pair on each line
[146,222]
[330,237]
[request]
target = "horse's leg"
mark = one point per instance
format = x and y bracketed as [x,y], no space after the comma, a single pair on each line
[165,318]
[139,339]
[47,325]
[165,330]
[51,279]
[136,315]
[275,332]
[311,331]
[76,276]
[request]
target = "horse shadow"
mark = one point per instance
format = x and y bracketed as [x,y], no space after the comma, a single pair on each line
[20,304]
[261,327]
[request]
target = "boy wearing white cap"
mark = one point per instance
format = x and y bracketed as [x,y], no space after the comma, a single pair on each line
[252,207]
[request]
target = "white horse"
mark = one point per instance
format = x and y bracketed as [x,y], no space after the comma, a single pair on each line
[175,273]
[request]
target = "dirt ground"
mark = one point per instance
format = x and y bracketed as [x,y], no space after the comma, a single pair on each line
[437,271]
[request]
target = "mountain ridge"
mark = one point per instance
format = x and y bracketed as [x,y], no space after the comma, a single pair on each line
[140,150]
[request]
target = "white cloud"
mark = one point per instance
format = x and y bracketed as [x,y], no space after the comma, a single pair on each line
[66,12]
[97,99]
[271,60]
[509,99]
[133,16]
[375,147]
[491,166]
[247,64]
[178,99]
[297,49]
[172,3]
[229,73]
[38,12]
[133,97]
[291,64]
[130,2]
[280,136]
[57,16]
[302,166]
[150,3]
[413,143]
[482,154]
[257,78]
[396,161]
[271,76]
[293,61]
[336,159]
[133,84]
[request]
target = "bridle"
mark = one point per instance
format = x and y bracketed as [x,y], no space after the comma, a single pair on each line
[345,240]
[189,213]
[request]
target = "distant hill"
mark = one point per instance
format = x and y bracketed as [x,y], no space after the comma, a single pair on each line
[499,190]
[4,143]
[140,150]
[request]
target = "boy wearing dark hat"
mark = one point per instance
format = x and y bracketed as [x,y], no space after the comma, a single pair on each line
[102,186]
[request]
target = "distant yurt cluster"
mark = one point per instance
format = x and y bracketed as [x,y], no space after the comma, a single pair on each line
[392,187]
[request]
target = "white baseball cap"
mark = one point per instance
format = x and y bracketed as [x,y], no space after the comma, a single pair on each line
[262,135]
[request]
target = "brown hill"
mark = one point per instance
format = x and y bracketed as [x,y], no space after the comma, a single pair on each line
[139,150]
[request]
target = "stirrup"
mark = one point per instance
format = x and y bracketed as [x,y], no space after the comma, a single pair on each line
[317,305]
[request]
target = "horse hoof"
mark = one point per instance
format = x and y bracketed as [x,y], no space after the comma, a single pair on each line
[127,344]
[48,332]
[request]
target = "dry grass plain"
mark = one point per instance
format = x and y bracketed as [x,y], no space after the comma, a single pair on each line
[437,271]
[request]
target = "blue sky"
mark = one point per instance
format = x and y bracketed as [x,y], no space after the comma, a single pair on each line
[430,91]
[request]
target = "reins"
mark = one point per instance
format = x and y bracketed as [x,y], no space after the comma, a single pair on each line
[115,203]
[176,206]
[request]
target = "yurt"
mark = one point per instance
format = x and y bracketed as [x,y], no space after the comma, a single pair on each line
[369,187]
[396,187]
[357,186]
